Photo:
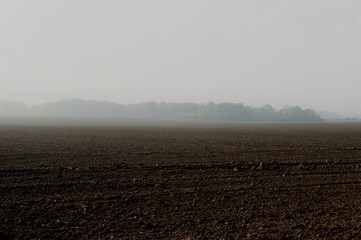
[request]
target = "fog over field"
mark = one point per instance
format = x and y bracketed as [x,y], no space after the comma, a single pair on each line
[279,52]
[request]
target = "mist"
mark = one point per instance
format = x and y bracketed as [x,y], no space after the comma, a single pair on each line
[299,53]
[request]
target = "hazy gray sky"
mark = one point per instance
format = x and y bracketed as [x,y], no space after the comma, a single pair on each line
[299,52]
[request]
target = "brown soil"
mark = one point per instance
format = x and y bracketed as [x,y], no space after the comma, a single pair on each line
[185,182]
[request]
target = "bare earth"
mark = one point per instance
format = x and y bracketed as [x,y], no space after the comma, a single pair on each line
[181,182]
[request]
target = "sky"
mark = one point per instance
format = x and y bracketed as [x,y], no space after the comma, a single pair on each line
[256,52]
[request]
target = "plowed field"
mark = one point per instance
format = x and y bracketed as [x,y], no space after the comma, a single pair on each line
[181,182]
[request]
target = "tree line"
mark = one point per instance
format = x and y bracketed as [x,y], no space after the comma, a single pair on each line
[163,110]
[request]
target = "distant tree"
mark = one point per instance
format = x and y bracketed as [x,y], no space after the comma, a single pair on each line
[13,108]
[266,113]
[296,114]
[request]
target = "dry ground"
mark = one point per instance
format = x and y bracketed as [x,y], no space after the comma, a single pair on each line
[181,182]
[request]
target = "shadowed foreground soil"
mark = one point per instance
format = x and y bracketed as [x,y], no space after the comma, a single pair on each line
[185,182]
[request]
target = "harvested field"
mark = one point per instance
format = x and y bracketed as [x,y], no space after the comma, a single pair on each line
[181,182]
